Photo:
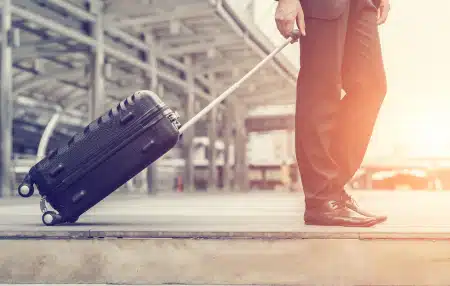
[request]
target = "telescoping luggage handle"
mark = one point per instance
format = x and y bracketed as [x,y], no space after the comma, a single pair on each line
[293,38]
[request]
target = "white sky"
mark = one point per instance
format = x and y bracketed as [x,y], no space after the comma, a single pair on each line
[415,117]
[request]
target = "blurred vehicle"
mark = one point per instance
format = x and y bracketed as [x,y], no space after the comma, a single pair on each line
[273,176]
[402,179]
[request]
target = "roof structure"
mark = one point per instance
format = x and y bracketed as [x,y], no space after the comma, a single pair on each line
[146,44]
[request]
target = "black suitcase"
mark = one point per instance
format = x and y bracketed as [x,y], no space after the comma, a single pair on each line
[110,151]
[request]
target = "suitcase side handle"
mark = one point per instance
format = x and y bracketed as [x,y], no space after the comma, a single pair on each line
[292,39]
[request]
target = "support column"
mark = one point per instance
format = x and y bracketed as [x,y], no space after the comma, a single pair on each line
[189,134]
[149,175]
[227,140]
[290,145]
[238,167]
[153,62]
[212,134]
[97,99]
[160,90]
[241,168]
[6,99]
[245,172]
[153,83]
[368,179]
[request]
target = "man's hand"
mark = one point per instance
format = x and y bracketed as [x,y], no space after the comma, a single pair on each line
[289,11]
[383,11]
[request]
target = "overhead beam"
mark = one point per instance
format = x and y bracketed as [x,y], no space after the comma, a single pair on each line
[220,8]
[187,39]
[110,28]
[122,9]
[43,78]
[24,42]
[156,50]
[227,65]
[282,98]
[161,73]
[40,7]
[29,52]
[62,92]
[35,71]
[253,88]
[49,24]
[80,13]
[180,13]
[200,47]
[62,75]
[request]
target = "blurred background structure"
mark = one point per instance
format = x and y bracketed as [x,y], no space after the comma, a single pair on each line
[66,62]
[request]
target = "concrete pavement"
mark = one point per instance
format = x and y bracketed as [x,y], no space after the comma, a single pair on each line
[259,214]
[228,239]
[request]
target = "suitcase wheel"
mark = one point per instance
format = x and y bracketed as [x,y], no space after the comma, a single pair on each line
[26,190]
[51,218]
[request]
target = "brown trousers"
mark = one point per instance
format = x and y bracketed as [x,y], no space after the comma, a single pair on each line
[332,133]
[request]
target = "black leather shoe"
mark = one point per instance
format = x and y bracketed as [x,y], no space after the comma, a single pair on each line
[335,213]
[350,203]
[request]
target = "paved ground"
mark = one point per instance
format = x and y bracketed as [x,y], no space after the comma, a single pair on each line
[411,213]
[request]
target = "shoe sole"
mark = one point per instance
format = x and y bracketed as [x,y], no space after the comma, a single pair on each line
[368,224]
[379,219]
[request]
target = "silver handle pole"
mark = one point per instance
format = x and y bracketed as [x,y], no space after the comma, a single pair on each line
[232,88]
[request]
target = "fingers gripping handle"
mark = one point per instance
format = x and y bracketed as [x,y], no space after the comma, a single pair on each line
[295,35]
[293,38]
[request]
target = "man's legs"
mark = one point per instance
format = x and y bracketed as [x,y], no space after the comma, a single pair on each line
[318,104]
[364,82]
[318,96]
